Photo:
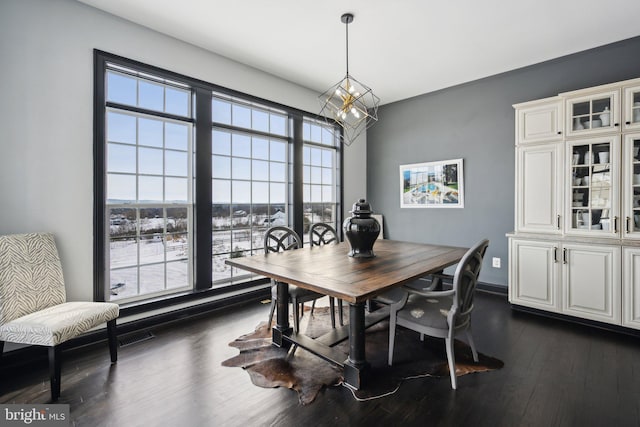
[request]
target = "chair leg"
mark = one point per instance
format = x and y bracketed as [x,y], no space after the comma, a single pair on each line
[54,371]
[452,361]
[340,313]
[392,337]
[296,315]
[292,351]
[271,311]
[313,305]
[113,340]
[1,348]
[332,308]
[472,345]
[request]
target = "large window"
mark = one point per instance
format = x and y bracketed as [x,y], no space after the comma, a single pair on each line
[320,175]
[250,180]
[185,167]
[148,176]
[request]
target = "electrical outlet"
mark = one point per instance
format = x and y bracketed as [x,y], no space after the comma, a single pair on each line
[496,262]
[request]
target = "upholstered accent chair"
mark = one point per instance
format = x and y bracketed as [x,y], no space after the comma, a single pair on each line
[33,307]
[441,314]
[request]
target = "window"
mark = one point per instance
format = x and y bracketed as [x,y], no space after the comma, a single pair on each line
[173,155]
[250,177]
[320,175]
[148,194]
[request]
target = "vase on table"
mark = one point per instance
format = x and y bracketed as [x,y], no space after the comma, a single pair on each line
[361,230]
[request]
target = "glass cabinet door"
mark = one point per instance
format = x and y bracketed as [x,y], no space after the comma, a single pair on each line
[593,186]
[632,108]
[632,185]
[592,114]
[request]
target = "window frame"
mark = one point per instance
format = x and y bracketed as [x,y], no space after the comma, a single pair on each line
[201,208]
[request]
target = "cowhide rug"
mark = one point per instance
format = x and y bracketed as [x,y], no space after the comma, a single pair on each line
[269,366]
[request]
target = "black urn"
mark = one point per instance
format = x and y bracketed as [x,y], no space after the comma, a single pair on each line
[361,230]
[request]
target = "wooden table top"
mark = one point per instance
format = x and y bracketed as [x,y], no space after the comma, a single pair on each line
[330,271]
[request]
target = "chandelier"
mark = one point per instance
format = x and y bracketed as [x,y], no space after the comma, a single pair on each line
[350,103]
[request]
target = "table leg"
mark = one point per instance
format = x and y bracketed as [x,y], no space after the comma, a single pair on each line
[356,364]
[282,327]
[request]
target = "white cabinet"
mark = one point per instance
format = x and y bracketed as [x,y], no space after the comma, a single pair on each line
[631,287]
[533,274]
[592,113]
[591,282]
[575,279]
[539,121]
[539,163]
[593,187]
[539,175]
[576,245]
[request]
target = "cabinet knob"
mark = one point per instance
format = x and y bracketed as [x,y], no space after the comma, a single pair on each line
[559,132]
[627,123]
[616,124]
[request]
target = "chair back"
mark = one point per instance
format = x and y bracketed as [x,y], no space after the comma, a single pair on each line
[30,275]
[280,238]
[322,234]
[465,280]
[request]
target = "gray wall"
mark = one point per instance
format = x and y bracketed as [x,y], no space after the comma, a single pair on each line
[475,121]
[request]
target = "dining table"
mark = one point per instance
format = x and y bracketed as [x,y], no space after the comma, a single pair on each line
[329,270]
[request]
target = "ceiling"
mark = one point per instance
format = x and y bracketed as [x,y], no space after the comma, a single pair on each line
[399,48]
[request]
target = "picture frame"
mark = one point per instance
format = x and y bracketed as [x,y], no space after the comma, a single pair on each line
[437,184]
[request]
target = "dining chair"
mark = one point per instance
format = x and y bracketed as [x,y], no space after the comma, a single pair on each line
[278,239]
[442,314]
[320,234]
[33,306]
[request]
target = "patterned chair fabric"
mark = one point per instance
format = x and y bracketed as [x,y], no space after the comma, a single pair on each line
[30,275]
[32,295]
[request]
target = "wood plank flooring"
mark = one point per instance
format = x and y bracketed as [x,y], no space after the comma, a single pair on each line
[556,374]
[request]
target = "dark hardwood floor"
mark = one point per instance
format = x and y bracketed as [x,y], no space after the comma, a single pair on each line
[556,374]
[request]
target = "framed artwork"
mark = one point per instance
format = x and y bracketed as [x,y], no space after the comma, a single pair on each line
[432,185]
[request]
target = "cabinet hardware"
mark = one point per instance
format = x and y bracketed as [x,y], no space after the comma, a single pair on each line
[559,132]
[626,225]
[616,124]
[564,255]
[558,222]
[615,224]
[627,123]
[555,254]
